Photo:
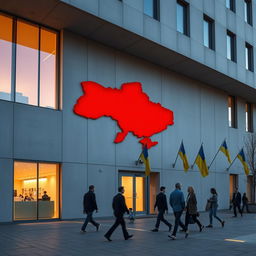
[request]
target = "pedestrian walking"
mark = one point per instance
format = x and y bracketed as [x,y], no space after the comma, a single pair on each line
[213,201]
[191,209]
[161,205]
[90,205]
[119,207]
[236,200]
[245,203]
[177,203]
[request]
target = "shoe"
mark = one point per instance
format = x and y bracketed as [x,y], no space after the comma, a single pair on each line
[128,237]
[170,228]
[108,238]
[172,237]
[209,226]
[154,230]
[182,230]
[82,231]
[98,227]
[186,234]
[201,228]
[222,223]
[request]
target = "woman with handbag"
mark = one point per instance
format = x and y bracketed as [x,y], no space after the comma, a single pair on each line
[191,210]
[213,205]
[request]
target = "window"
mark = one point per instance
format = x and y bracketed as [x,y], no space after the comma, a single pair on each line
[151,8]
[231,46]
[248,117]
[231,4]
[248,11]
[182,17]
[36,190]
[209,32]
[249,57]
[28,63]
[232,112]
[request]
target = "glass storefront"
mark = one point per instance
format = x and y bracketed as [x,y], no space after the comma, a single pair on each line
[36,191]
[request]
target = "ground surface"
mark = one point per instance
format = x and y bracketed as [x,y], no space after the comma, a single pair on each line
[63,238]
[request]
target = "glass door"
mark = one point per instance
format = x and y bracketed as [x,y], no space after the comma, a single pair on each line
[135,191]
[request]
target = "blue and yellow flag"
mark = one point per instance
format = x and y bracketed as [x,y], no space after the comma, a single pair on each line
[224,149]
[201,163]
[241,157]
[183,157]
[145,159]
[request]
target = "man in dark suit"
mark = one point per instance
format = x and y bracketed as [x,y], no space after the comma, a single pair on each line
[90,206]
[119,207]
[236,200]
[161,204]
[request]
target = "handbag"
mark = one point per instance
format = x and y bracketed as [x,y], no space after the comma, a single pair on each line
[191,221]
[208,205]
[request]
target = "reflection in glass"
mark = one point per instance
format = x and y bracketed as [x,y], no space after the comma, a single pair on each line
[127,183]
[48,69]
[25,191]
[180,18]
[5,57]
[140,187]
[206,33]
[229,47]
[27,63]
[149,8]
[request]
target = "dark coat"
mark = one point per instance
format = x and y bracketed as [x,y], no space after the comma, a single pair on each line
[236,200]
[119,205]
[90,202]
[191,204]
[161,202]
[245,199]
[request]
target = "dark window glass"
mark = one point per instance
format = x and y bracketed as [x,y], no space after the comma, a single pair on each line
[249,57]
[231,4]
[248,117]
[151,8]
[232,112]
[248,11]
[182,12]
[208,32]
[231,46]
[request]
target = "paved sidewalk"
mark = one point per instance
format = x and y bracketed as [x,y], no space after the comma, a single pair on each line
[63,238]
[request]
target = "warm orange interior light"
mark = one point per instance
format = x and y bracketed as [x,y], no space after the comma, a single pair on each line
[6,28]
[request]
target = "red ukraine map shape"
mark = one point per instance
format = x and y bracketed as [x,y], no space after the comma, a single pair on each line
[129,106]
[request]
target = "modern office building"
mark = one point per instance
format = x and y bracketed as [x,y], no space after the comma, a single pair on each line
[195,57]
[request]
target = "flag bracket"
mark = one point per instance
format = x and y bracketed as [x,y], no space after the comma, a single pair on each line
[138,162]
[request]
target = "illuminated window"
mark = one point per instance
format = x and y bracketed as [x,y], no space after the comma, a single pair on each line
[36,191]
[232,112]
[151,8]
[248,117]
[28,63]
[182,13]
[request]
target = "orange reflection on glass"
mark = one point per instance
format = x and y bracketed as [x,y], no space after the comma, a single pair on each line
[48,42]
[127,183]
[27,63]
[5,57]
[140,194]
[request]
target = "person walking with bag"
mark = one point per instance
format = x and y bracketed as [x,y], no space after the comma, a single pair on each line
[90,206]
[236,200]
[161,204]
[191,209]
[119,207]
[213,205]
[245,203]
[177,203]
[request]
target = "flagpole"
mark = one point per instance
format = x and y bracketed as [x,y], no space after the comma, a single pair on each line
[214,158]
[139,161]
[192,166]
[173,165]
[232,163]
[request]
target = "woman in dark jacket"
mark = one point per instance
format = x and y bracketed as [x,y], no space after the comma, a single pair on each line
[191,209]
[213,208]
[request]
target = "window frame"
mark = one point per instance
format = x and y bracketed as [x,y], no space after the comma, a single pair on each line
[233,116]
[248,12]
[156,9]
[231,5]
[233,54]
[249,113]
[186,17]
[249,63]
[15,19]
[211,31]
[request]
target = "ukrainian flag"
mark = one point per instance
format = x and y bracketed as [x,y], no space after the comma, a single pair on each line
[183,157]
[145,159]
[241,157]
[224,149]
[201,163]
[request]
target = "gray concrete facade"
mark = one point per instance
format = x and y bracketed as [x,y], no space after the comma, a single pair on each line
[85,148]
